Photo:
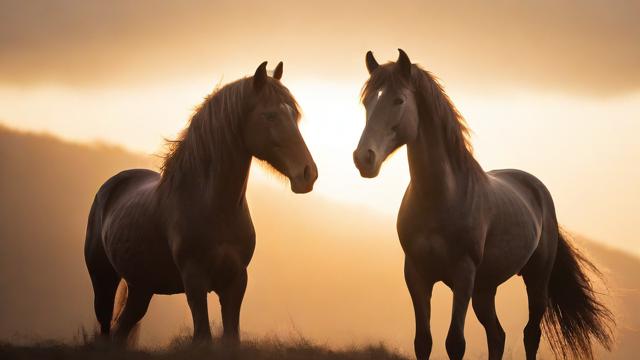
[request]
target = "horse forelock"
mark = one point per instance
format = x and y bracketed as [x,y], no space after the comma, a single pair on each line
[384,76]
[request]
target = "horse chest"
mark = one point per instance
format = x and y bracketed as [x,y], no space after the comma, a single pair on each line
[232,243]
[221,247]
[425,244]
[434,242]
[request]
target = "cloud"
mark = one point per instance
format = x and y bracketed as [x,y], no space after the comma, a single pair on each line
[590,47]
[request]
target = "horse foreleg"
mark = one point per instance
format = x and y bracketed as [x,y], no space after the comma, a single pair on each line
[420,292]
[230,303]
[195,287]
[462,286]
[484,305]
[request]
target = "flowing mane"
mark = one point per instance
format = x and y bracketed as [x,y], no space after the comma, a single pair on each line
[434,105]
[213,132]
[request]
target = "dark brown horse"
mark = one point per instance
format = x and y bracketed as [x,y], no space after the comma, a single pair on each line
[474,230]
[189,229]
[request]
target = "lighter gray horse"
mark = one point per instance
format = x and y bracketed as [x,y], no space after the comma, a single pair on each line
[470,229]
[189,229]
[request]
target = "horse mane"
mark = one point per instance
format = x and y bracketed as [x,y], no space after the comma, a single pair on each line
[433,105]
[213,133]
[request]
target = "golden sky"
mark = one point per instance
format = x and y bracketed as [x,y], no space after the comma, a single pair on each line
[549,87]
[588,47]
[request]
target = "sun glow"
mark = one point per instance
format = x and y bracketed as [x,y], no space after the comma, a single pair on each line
[333,120]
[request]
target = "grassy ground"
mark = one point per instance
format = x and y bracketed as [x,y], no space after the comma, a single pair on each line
[182,349]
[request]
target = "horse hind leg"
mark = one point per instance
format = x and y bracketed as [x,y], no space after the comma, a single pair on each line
[536,279]
[136,305]
[538,300]
[484,306]
[105,286]
[104,280]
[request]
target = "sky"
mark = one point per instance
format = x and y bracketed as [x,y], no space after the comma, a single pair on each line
[552,88]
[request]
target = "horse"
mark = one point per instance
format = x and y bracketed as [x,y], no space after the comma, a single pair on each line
[472,229]
[188,228]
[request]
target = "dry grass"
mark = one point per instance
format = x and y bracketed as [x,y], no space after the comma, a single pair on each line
[182,348]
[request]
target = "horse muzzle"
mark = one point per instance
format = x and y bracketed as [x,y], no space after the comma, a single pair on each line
[303,181]
[367,162]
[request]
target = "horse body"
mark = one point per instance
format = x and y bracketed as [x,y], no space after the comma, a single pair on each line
[501,219]
[136,234]
[189,229]
[470,229]
[131,232]
[151,234]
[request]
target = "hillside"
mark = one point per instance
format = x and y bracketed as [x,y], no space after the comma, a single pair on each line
[329,272]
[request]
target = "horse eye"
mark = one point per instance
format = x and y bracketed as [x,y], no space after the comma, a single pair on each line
[398,101]
[270,116]
[394,128]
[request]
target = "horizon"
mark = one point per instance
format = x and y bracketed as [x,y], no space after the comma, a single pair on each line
[587,174]
[265,177]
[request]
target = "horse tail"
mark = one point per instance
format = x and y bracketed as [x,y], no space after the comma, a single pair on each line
[118,306]
[120,300]
[575,316]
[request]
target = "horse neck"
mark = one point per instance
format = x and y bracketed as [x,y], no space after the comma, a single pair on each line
[228,182]
[431,174]
[219,185]
[436,176]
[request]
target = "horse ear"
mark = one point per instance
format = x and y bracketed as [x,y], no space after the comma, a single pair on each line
[372,64]
[277,73]
[260,76]
[404,64]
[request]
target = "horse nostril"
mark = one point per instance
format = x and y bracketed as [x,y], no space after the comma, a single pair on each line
[371,156]
[307,173]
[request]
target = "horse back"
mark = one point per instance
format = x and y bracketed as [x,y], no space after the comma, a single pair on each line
[106,196]
[122,183]
[517,188]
